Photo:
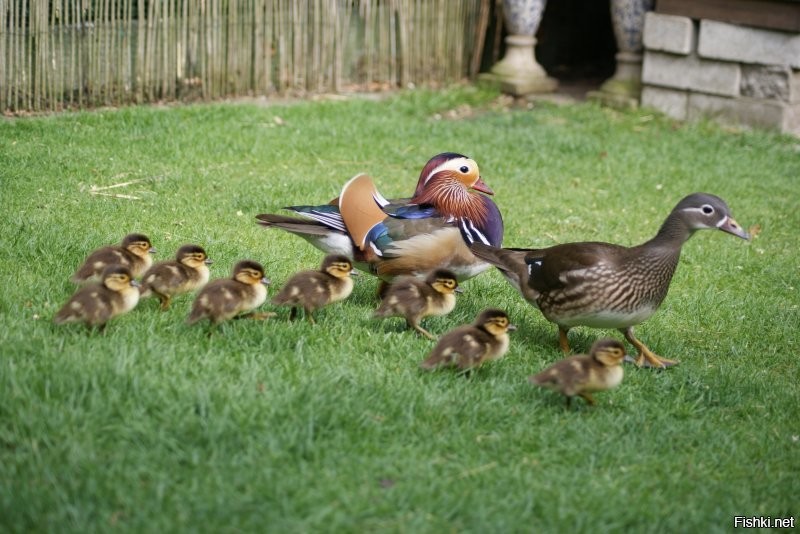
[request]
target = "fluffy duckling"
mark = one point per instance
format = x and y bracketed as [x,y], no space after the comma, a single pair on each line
[134,253]
[226,298]
[582,375]
[414,299]
[312,290]
[188,272]
[469,346]
[96,303]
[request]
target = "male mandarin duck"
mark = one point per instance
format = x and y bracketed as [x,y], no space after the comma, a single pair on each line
[601,285]
[188,272]
[407,236]
[225,298]
[584,374]
[134,253]
[469,346]
[98,302]
[312,290]
[413,299]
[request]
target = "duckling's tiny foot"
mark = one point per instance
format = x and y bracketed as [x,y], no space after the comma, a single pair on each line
[260,316]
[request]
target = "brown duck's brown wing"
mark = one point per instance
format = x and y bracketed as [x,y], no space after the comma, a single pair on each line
[464,347]
[549,268]
[510,261]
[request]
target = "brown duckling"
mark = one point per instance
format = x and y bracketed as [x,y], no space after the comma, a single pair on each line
[188,272]
[225,298]
[584,374]
[134,253]
[414,299]
[469,346]
[312,290]
[97,302]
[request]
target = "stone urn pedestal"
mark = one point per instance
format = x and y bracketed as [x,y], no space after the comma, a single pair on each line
[518,73]
[624,89]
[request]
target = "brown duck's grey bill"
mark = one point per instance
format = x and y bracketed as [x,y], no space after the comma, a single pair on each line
[732,227]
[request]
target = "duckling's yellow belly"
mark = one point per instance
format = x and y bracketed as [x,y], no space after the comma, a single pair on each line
[258,295]
[609,378]
[129,300]
[441,306]
[500,349]
[342,289]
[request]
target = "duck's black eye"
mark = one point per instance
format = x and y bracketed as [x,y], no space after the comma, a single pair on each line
[707,209]
[464,169]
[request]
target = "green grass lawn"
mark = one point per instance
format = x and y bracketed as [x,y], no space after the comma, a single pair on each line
[287,427]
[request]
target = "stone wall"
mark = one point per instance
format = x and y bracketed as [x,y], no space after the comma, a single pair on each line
[729,73]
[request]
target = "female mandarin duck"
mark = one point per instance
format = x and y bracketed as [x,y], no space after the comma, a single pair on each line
[188,272]
[96,303]
[134,252]
[312,290]
[431,230]
[470,346]
[601,285]
[413,299]
[584,374]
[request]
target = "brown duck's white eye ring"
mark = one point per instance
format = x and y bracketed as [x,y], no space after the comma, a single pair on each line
[464,169]
[708,209]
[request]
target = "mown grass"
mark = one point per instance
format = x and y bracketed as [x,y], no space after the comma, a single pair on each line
[287,427]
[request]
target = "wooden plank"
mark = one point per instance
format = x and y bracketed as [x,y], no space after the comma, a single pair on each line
[769,14]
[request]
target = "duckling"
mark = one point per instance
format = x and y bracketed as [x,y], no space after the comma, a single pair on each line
[582,375]
[312,290]
[469,346]
[225,298]
[188,272]
[414,299]
[134,252]
[97,302]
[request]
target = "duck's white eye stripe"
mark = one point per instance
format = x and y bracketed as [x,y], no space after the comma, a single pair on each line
[449,164]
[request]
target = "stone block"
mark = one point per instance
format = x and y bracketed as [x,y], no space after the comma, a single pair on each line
[669,33]
[671,102]
[767,114]
[794,87]
[770,82]
[692,73]
[729,42]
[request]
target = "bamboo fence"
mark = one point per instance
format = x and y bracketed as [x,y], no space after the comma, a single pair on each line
[57,54]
